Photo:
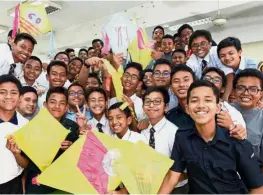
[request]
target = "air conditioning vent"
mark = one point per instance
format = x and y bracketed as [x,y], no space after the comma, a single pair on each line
[51,9]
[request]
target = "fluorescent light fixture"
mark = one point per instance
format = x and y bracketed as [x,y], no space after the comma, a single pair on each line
[3,29]
[194,23]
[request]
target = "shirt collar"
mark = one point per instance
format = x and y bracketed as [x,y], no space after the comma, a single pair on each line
[24,83]
[206,58]
[102,121]
[219,135]
[158,127]
[13,120]
[133,97]
[242,64]
[126,135]
[72,112]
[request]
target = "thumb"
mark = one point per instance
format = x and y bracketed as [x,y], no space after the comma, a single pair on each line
[231,127]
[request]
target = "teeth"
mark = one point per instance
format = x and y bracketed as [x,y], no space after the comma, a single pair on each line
[245,99]
[201,113]
[182,91]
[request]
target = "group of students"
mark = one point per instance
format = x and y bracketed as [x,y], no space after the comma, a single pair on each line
[198,103]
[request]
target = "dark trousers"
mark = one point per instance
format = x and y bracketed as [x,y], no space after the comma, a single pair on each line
[181,190]
[13,186]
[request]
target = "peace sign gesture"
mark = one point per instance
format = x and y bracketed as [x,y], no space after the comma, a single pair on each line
[82,120]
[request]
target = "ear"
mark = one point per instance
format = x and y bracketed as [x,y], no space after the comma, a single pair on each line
[187,109]
[129,120]
[218,108]
[240,52]
[166,108]
[222,90]
[47,77]
[45,104]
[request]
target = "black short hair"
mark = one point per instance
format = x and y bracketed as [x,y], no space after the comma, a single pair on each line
[179,51]
[68,50]
[158,89]
[59,90]
[61,52]
[76,58]
[90,48]
[82,49]
[200,33]
[117,105]
[97,40]
[218,71]
[56,63]
[96,76]
[28,89]
[76,84]
[184,26]
[182,67]
[167,36]
[36,59]
[203,83]
[96,89]
[228,42]
[143,74]
[176,35]
[10,33]
[249,72]
[158,27]
[5,78]
[21,36]
[135,65]
[162,61]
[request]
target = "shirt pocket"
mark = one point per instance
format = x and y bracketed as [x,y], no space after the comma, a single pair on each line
[225,170]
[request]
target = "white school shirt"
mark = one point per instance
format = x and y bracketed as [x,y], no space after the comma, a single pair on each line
[137,106]
[132,136]
[35,85]
[247,63]
[9,169]
[42,80]
[195,63]
[6,58]
[164,139]
[105,125]
[236,116]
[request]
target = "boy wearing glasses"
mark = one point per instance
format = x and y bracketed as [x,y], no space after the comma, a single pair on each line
[161,78]
[76,96]
[248,85]
[205,55]
[161,133]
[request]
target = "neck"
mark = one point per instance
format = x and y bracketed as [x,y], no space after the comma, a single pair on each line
[237,66]
[128,93]
[58,119]
[207,131]
[154,121]
[16,60]
[98,116]
[29,82]
[6,115]
[182,103]
[121,134]
[73,108]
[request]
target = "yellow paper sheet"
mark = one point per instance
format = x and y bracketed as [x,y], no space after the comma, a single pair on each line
[41,138]
[142,171]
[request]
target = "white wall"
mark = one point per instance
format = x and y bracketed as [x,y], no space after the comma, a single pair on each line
[253,50]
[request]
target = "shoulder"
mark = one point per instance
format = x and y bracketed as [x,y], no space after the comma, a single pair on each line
[191,61]
[138,136]
[69,124]
[21,120]
[173,111]
[251,62]
[170,126]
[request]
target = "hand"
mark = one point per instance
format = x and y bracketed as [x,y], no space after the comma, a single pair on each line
[238,131]
[94,62]
[224,119]
[260,105]
[130,102]
[81,117]
[40,92]
[117,60]
[156,55]
[65,145]
[12,146]
[143,124]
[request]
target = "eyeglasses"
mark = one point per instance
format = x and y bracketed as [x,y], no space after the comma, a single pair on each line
[215,80]
[155,102]
[251,90]
[202,44]
[147,77]
[132,76]
[73,93]
[158,73]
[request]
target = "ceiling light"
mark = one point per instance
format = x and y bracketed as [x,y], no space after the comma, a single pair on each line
[3,29]
[194,23]
[166,26]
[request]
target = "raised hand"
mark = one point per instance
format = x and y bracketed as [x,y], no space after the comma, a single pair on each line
[81,117]
[11,145]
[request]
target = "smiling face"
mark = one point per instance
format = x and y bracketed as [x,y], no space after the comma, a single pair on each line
[185,35]
[180,83]
[27,103]
[148,79]
[130,80]
[158,35]
[167,45]
[200,46]
[75,67]
[230,56]
[76,96]
[9,96]
[56,105]
[32,70]
[57,76]
[248,100]
[161,75]
[62,57]
[92,83]
[119,122]
[97,103]
[154,106]
[202,105]
[178,58]
[22,50]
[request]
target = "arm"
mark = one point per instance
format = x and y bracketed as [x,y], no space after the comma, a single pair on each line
[83,76]
[229,86]
[257,190]
[21,160]
[170,181]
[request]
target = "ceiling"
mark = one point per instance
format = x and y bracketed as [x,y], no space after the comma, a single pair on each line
[81,21]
